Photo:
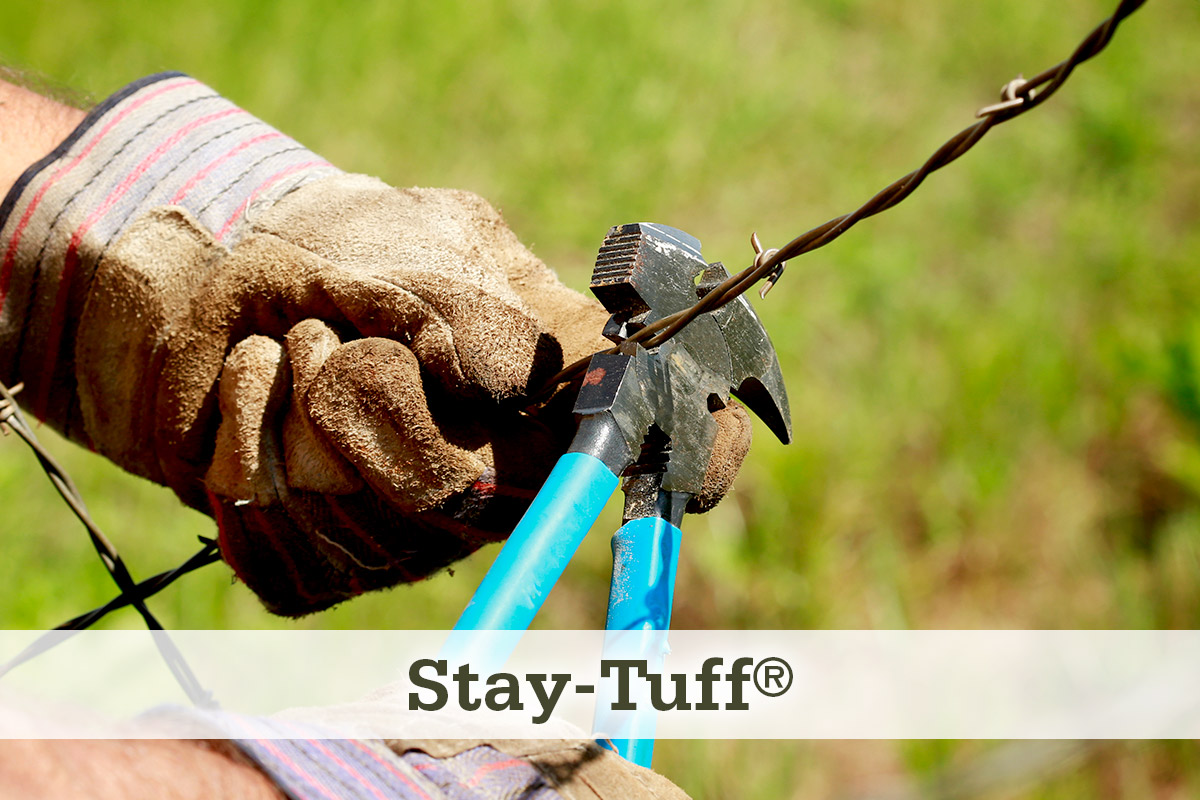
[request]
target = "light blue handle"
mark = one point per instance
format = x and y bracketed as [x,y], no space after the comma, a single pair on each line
[639,751]
[539,548]
[645,557]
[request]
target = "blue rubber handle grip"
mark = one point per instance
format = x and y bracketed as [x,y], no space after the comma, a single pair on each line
[645,557]
[539,548]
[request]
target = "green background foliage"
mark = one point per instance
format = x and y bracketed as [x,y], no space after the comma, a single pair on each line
[995,386]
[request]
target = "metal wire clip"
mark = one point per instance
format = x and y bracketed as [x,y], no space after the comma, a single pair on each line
[760,257]
[1009,97]
[8,407]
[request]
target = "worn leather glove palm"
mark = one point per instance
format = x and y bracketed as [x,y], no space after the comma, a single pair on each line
[335,369]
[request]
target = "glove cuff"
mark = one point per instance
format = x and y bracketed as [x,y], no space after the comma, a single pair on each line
[166,140]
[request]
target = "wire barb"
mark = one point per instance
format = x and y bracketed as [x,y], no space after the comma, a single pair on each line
[1008,97]
[760,256]
[8,407]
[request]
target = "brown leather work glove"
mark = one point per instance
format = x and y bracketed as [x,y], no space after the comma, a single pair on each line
[334,369]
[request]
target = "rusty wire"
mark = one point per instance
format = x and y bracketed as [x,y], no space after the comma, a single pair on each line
[1017,97]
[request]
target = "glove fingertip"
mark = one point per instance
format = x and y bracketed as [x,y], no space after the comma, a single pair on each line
[246,462]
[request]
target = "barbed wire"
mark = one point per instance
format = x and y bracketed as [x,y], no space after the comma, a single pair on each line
[1019,96]
[131,593]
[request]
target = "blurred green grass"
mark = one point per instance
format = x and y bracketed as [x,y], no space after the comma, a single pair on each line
[995,386]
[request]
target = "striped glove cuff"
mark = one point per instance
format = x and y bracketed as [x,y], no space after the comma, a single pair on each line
[164,140]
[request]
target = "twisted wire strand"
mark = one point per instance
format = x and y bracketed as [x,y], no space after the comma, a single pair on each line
[131,593]
[208,554]
[1019,97]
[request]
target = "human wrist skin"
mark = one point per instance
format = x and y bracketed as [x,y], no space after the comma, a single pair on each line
[31,125]
[166,140]
[105,769]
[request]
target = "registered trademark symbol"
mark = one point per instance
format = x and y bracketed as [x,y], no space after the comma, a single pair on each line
[772,676]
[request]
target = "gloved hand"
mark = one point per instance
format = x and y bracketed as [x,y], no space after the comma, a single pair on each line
[334,369]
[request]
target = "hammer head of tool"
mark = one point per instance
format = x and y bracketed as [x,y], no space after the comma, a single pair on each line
[644,272]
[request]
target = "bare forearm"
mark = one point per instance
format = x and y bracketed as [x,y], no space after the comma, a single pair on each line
[30,127]
[128,770]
